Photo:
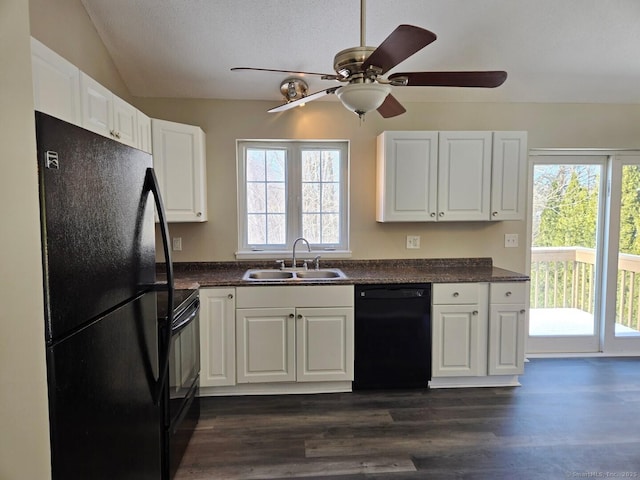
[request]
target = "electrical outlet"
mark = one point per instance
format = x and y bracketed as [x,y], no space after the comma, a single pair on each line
[413,241]
[510,240]
[177,244]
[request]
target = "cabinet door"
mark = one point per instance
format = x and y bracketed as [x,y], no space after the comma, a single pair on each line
[407,176]
[464,176]
[459,341]
[217,337]
[324,343]
[97,107]
[506,339]
[265,345]
[56,84]
[125,127]
[144,131]
[509,175]
[179,162]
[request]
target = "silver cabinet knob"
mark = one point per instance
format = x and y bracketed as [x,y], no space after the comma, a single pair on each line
[291,315]
[433,214]
[199,214]
[508,294]
[475,312]
[441,214]
[299,316]
[456,294]
[230,296]
[522,311]
[495,214]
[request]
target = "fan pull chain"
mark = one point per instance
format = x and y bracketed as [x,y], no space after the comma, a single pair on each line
[363,4]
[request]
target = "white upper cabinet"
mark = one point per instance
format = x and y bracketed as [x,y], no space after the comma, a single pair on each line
[144,132]
[509,175]
[410,160]
[56,84]
[106,114]
[180,165]
[450,176]
[464,176]
[60,89]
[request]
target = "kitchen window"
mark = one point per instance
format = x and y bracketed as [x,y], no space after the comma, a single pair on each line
[291,189]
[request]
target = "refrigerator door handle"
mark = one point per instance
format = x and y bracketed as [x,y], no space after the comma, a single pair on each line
[152,186]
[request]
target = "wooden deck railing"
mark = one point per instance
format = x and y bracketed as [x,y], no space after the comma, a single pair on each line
[563,277]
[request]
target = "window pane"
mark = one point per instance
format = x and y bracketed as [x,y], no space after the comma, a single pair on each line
[256,202]
[276,198]
[330,198]
[310,166]
[311,227]
[255,165]
[331,228]
[276,229]
[331,166]
[310,197]
[256,229]
[275,165]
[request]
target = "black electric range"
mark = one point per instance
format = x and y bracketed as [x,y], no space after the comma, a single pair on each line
[181,408]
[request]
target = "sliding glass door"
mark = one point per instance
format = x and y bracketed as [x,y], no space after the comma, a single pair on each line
[622,291]
[585,253]
[566,248]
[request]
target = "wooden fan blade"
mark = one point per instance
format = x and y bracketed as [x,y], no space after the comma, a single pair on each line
[403,42]
[391,107]
[489,79]
[292,72]
[303,100]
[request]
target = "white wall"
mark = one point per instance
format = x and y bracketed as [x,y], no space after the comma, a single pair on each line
[224,121]
[24,438]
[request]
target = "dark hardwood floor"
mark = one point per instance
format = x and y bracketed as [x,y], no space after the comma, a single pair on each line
[571,418]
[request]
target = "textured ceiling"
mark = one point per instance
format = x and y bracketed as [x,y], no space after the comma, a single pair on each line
[585,51]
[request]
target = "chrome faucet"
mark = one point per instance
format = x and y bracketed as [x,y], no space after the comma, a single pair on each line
[293,260]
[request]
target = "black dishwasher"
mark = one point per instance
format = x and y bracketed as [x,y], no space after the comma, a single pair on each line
[392,336]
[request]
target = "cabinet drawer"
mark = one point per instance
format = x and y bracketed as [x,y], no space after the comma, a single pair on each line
[509,292]
[455,293]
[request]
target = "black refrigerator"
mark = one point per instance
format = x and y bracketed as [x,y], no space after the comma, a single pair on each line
[105,369]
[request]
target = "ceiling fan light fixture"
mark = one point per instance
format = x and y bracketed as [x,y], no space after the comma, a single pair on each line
[293,89]
[361,98]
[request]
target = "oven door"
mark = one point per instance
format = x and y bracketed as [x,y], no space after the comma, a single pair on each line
[184,363]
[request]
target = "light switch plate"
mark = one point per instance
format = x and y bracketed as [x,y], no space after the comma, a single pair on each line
[510,240]
[177,244]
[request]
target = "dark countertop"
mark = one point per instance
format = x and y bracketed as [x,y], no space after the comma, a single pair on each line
[453,270]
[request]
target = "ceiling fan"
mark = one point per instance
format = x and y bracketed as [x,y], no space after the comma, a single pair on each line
[362,68]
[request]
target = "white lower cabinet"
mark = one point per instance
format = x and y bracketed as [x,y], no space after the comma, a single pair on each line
[459,330]
[478,333]
[266,345]
[324,344]
[506,328]
[217,337]
[294,334]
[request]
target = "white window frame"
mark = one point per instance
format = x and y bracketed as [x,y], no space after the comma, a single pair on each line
[293,150]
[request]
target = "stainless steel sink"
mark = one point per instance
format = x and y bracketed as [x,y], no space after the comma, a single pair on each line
[267,275]
[302,275]
[324,273]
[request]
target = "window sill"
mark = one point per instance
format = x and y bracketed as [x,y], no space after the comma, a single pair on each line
[287,254]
